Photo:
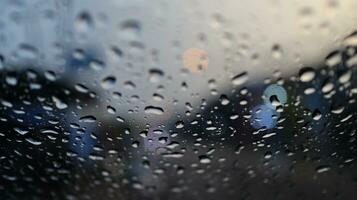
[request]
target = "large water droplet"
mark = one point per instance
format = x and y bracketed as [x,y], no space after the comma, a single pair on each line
[108,82]
[307,74]
[154,110]
[240,79]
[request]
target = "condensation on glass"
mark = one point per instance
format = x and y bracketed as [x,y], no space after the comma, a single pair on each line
[181,99]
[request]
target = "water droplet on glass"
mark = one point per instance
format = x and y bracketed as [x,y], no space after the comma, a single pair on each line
[327,87]
[307,74]
[240,79]
[108,82]
[59,103]
[33,141]
[84,22]
[224,100]
[21,131]
[322,169]
[316,115]
[154,110]
[204,159]
[179,124]
[155,75]
[87,119]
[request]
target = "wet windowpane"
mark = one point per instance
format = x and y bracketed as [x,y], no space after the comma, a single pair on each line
[180,99]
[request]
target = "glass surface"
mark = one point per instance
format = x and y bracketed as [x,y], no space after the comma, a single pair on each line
[178,99]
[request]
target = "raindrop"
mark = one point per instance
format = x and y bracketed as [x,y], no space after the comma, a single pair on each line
[59,103]
[120,119]
[224,100]
[154,110]
[87,119]
[268,155]
[275,94]
[11,79]
[158,97]
[337,109]
[155,75]
[345,77]
[327,87]
[84,22]
[27,51]
[50,75]
[111,110]
[129,85]
[116,53]
[81,88]
[333,59]
[351,40]
[131,25]
[310,90]
[307,74]
[322,169]
[274,101]
[163,140]
[6,103]
[316,115]
[33,141]
[21,131]
[240,79]
[108,82]
[276,51]
[135,144]
[204,159]
[96,65]
[179,124]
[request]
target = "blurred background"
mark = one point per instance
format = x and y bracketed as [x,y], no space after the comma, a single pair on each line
[183,99]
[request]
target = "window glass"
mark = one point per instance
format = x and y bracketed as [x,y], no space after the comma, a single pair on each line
[178,99]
